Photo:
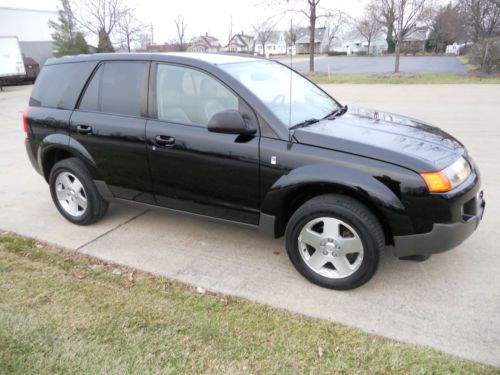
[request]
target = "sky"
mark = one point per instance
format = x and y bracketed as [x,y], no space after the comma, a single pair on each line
[212,17]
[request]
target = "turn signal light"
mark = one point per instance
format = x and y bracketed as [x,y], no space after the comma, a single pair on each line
[437,182]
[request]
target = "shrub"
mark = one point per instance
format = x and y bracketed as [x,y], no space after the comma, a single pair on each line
[486,54]
[336,53]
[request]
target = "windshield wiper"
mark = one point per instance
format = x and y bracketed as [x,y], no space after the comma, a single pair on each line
[304,123]
[336,113]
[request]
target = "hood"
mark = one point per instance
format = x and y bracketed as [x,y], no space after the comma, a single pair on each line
[392,138]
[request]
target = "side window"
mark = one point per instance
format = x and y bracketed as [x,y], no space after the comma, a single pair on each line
[59,85]
[188,96]
[117,88]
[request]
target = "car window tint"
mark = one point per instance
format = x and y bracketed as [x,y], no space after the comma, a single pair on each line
[59,85]
[188,96]
[116,88]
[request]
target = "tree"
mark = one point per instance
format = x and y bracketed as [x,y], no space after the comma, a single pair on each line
[181,27]
[384,12]
[334,23]
[101,18]
[311,12]
[482,18]
[408,13]
[448,27]
[368,26]
[67,39]
[104,43]
[263,32]
[129,29]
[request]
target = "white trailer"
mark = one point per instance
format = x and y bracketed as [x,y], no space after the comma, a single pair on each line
[11,59]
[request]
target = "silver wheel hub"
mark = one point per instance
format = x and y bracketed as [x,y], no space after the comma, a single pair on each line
[330,247]
[70,194]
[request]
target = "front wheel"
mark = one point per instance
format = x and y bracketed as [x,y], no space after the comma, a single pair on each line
[335,242]
[74,193]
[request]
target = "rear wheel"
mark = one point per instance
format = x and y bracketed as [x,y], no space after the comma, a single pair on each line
[74,193]
[335,242]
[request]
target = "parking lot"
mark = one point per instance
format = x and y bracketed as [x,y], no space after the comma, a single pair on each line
[450,302]
[379,64]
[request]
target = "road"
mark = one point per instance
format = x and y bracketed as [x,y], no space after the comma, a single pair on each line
[380,64]
[450,302]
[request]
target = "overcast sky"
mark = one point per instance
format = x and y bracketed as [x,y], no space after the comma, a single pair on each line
[201,16]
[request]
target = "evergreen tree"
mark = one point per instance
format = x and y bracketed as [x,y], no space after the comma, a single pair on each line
[67,40]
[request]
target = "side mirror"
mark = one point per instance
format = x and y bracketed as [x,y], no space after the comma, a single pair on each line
[230,122]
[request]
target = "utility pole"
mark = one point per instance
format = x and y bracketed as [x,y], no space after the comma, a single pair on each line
[152,35]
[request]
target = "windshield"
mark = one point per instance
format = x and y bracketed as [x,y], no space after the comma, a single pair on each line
[270,82]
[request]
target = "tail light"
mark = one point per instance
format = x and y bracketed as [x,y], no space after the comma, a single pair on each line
[25,122]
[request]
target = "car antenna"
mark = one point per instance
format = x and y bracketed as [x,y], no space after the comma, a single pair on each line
[290,97]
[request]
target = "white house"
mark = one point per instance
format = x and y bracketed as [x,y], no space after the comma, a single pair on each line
[354,42]
[275,45]
[241,43]
[205,43]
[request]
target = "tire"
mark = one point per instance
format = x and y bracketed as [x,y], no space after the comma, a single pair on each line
[72,186]
[345,257]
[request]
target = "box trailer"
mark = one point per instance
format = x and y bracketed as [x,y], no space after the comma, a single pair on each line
[11,58]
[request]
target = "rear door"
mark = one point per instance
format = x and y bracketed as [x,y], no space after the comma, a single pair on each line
[110,125]
[193,169]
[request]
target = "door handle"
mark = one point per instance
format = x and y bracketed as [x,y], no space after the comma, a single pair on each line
[164,140]
[84,129]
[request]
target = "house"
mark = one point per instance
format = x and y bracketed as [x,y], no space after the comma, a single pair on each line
[31,26]
[205,43]
[275,44]
[241,43]
[353,42]
[415,40]
[303,40]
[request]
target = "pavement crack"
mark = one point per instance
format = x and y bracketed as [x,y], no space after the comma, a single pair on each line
[112,229]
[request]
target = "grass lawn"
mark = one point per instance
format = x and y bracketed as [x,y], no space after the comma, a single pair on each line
[424,78]
[62,312]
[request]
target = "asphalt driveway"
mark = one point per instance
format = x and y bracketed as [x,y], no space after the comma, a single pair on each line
[380,64]
[450,302]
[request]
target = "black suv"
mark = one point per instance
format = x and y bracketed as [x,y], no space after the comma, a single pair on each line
[250,141]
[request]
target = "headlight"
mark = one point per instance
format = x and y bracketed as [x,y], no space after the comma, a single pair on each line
[449,178]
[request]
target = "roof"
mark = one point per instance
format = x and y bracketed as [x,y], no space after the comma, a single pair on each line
[207,40]
[303,35]
[242,40]
[208,58]
[274,37]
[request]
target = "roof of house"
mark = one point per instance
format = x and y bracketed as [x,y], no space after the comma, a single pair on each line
[303,35]
[207,41]
[274,37]
[242,40]
[419,34]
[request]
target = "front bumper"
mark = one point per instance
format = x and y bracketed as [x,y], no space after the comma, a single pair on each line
[443,237]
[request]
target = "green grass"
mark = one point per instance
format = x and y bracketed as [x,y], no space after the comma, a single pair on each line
[62,312]
[425,78]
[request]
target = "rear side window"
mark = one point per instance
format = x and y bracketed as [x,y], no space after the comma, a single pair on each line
[60,85]
[116,88]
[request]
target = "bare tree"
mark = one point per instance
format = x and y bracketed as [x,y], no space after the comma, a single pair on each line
[384,12]
[334,23]
[181,27]
[482,17]
[368,26]
[408,13]
[129,29]
[100,17]
[311,12]
[263,32]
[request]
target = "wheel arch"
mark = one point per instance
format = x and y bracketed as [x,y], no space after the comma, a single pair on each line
[304,183]
[57,147]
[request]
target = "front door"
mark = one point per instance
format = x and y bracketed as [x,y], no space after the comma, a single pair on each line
[110,125]
[193,169]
